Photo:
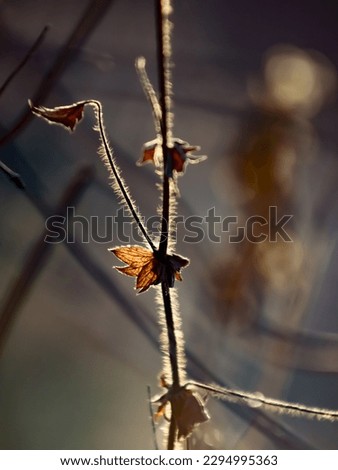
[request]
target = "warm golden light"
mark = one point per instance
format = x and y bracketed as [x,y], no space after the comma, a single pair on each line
[298,80]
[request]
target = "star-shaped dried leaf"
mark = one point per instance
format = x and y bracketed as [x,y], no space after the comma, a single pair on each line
[67,116]
[180,154]
[147,266]
[187,408]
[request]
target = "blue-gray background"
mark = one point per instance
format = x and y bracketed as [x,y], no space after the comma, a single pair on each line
[76,366]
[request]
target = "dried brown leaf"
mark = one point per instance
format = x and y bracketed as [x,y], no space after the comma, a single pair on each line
[67,116]
[147,266]
[189,411]
[148,276]
[134,255]
[179,155]
[187,408]
[151,153]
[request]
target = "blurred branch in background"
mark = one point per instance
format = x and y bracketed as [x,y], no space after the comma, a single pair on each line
[12,175]
[21,64]
[92,15]
[38,256]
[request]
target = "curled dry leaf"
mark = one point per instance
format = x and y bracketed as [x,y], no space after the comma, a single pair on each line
[67,116]
[151,153]
[187,408]
[180,154]
[148,267]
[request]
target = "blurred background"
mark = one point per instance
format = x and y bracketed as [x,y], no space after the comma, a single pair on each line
[255,86]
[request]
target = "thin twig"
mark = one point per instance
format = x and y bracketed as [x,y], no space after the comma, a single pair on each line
[120,183]
[69,116]
[279,406]
[150,93]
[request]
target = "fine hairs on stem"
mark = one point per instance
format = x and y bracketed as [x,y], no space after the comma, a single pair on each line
[256,400]
[119,185]
[158,265]
[69,117]
[163,9]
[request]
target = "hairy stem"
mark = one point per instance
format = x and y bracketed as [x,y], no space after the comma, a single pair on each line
[120,184]
[163,99]
[270,404]
[149,91]
[171,336]
[164,86]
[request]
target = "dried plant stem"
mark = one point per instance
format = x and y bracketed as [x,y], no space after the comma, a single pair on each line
[164,92]
[163,247]
[163,122]
[269,404]
[173,355]
[121,185]
[172,435]
[173,361]
[150,93]
[164,100]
